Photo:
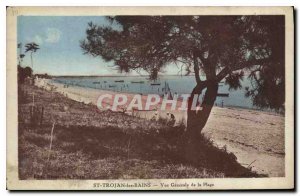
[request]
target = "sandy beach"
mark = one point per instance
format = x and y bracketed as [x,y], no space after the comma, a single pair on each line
[255,137]
[93,144]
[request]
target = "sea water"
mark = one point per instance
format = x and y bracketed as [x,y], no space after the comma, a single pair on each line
[164,84]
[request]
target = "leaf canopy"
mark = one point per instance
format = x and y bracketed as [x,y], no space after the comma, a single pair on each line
[216,46]
[31,47]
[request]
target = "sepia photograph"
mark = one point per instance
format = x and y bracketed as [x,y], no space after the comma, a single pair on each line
[177,98]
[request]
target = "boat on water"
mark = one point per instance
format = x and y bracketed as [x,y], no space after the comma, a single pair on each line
[119,81]
[137,82]
[155,84]
[96,82]
[223,94]
[111,86]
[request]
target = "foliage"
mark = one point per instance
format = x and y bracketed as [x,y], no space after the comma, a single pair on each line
[233,80]
[20,56]
[216,46]
[23,73]
[31,47]
[45,75]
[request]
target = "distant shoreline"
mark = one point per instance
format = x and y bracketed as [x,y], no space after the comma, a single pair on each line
[83,76]
[227,106]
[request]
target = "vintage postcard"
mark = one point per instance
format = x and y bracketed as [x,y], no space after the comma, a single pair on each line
[150,98]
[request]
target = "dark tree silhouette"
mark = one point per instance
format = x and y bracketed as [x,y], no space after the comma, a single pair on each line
[219,47]
[23,73]
[31,47]
[20,56]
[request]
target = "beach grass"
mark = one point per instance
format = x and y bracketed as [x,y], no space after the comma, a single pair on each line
[91,144]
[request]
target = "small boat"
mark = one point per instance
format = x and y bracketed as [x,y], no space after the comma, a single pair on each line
[155,84]
[119,80]
[137,82]
[105,82]
[111,86]
[96,82]
[223,95]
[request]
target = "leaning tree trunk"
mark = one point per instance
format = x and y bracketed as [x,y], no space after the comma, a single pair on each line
[197,118]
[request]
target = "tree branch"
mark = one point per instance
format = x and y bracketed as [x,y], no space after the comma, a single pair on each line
[196,69]
[227,70]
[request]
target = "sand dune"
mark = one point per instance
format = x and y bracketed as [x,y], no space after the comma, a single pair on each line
[255,137]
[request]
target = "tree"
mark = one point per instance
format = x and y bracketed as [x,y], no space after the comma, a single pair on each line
[31,47]
[21,56]
[219,47]
[23,73]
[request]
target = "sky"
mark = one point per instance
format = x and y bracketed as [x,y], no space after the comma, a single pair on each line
[60,52]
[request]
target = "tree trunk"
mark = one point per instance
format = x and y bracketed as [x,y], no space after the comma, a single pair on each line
[31,61]
[197,119]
